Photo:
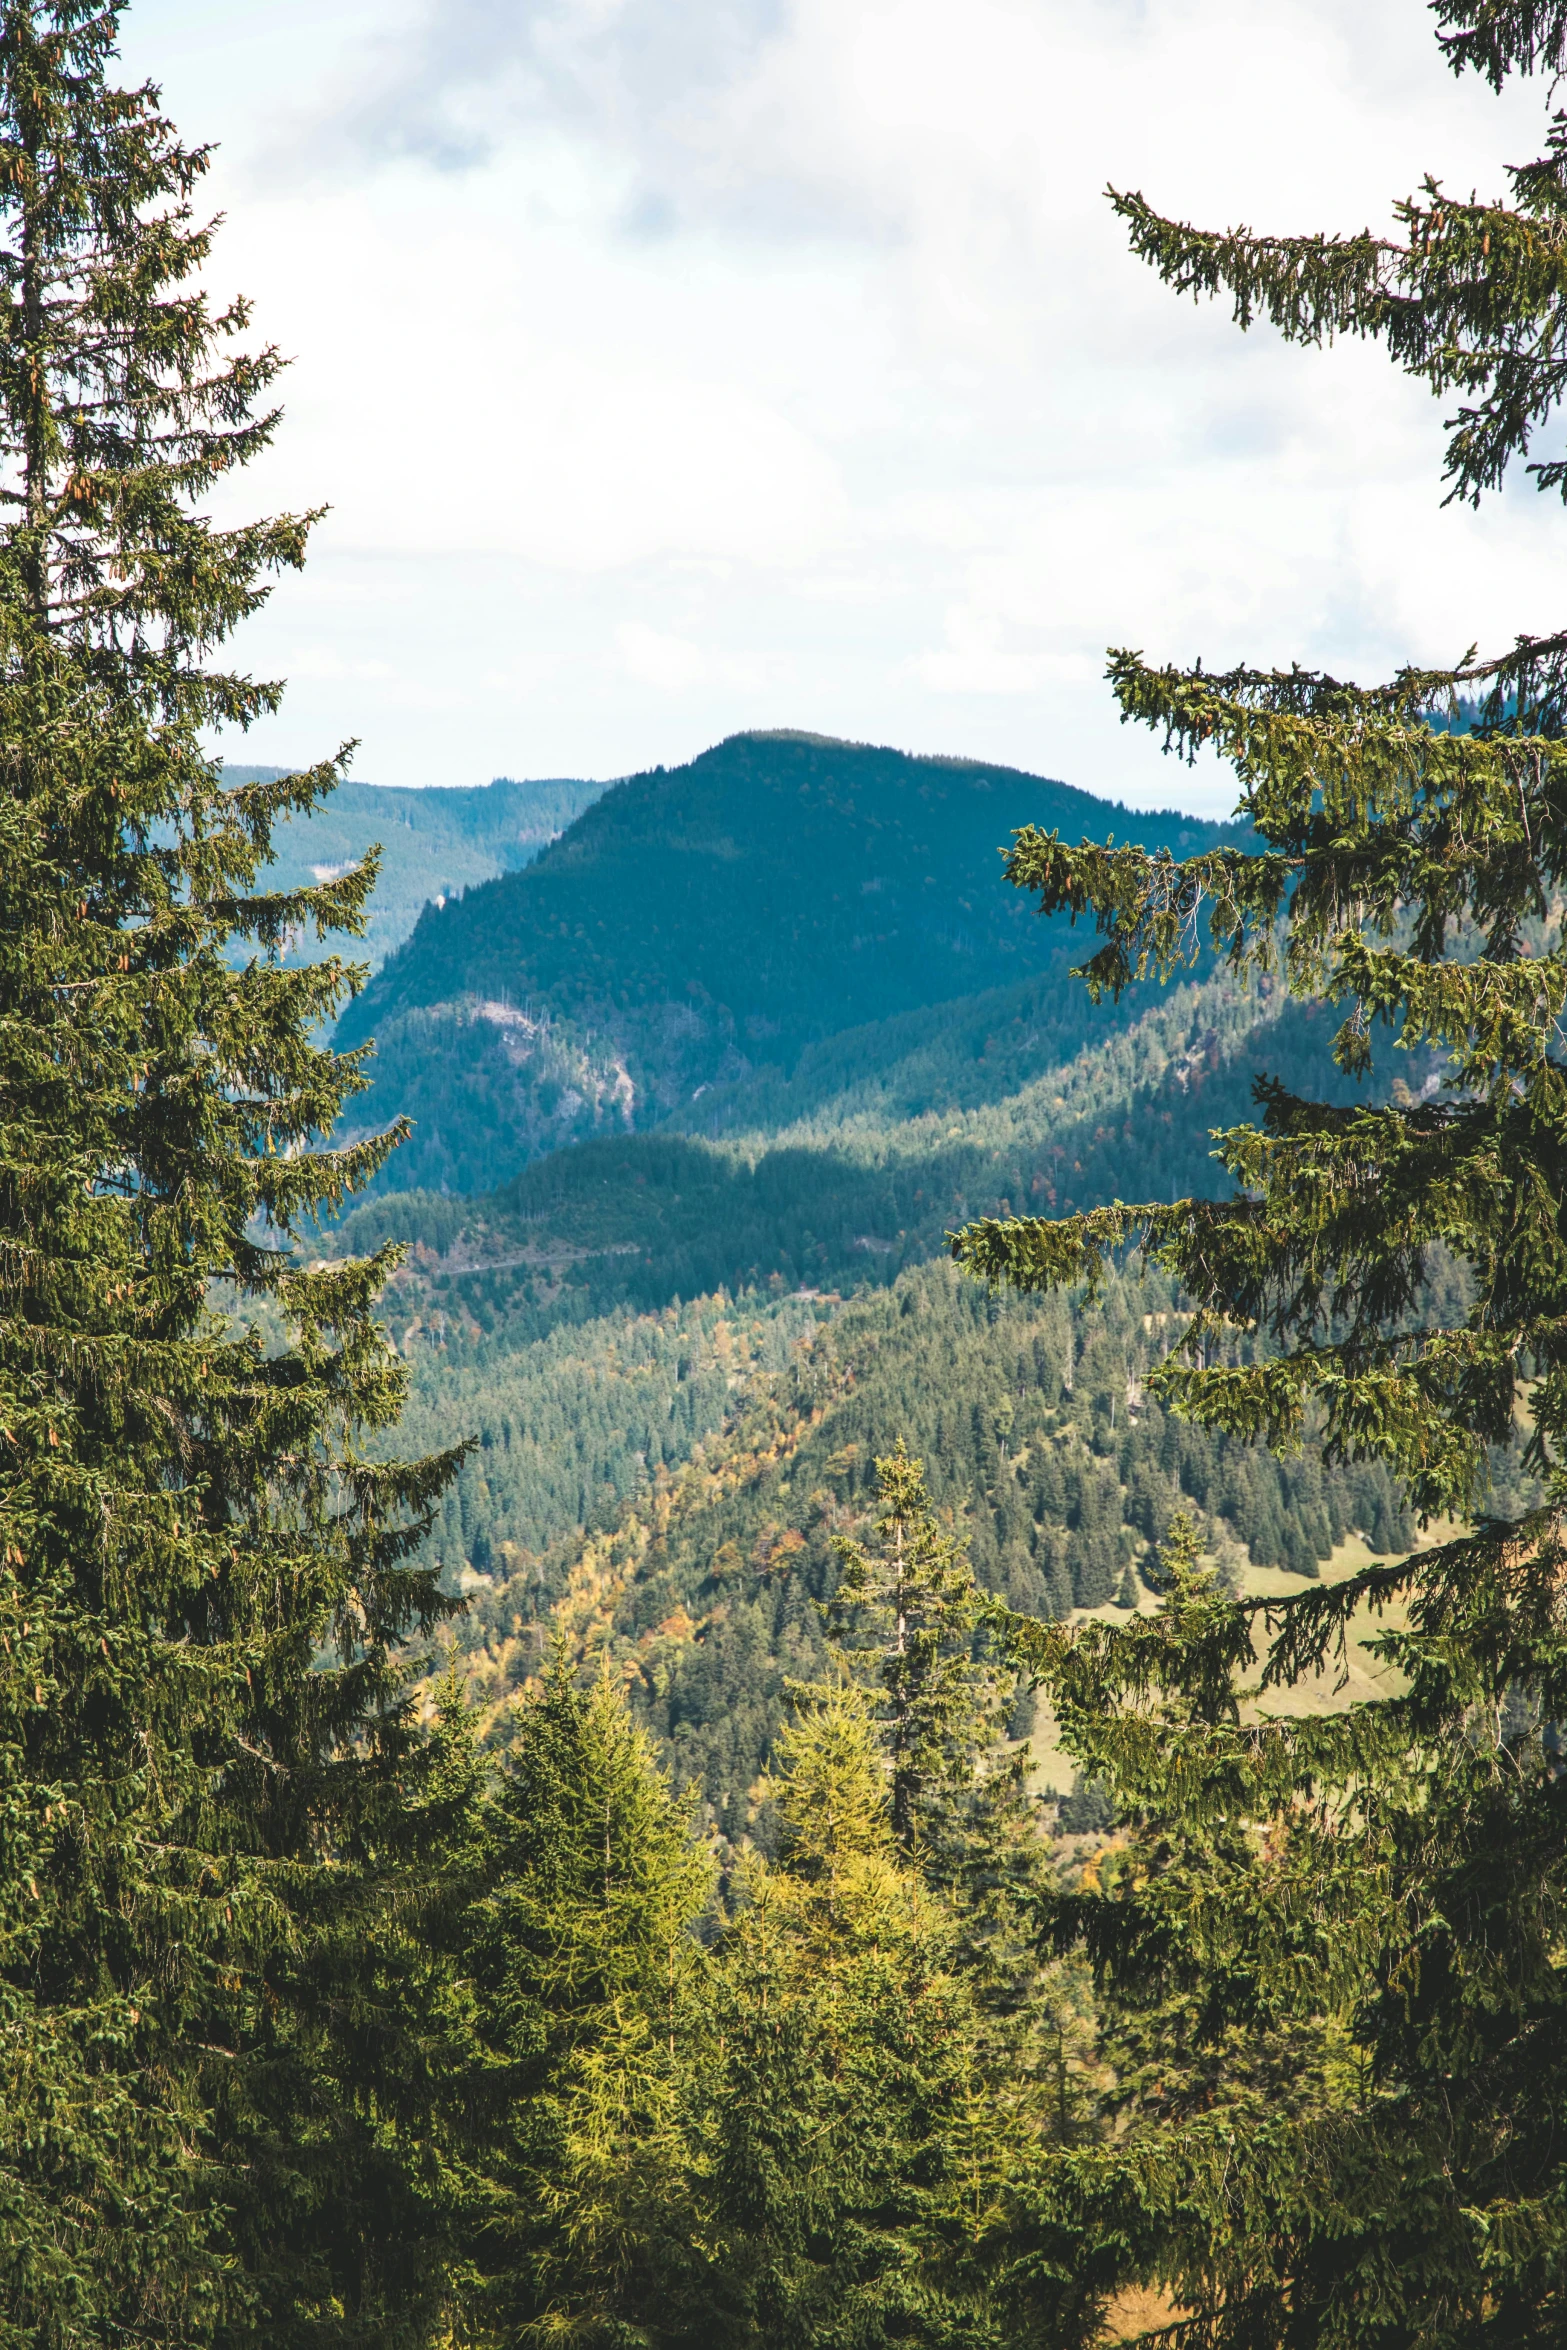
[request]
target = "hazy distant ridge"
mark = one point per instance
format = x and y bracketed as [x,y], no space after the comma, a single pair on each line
[435,841]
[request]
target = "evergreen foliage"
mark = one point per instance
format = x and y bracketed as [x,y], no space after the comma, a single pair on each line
[859,2166]
[1469,301]
[710,1563]
[870,1179]
[627,906]
[1501,37]
[204,1580]
[581,1955]
[697,929]
[773,2126]
[907,1611]
[322,2025]
[1367,1903]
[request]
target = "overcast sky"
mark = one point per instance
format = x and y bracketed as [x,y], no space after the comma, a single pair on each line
[676,366]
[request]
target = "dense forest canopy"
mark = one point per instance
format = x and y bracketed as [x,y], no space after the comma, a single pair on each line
[597,1742]
[700,936]
[798,882]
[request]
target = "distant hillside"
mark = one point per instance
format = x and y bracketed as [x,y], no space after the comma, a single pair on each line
[434,841]
[678,1356]
[697,930]
[704,1584]
[677,1349]
[637,1221]
[793,1028]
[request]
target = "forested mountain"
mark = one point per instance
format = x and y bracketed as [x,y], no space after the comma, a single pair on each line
[747,1433]
[435,841]
[673,1345]
[678,1354]
[830,1202]
[567,1861]
[689,945]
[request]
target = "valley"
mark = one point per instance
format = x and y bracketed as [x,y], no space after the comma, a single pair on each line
[781,1542]
[678,1322]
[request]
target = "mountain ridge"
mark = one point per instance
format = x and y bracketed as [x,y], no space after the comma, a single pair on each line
[435,840]
[700,926]
[675,1329]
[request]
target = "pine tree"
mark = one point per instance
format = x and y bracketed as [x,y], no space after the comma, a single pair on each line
[1388,1880]
[907,1617]
[204,1750]
[908,1624]
[582,1953]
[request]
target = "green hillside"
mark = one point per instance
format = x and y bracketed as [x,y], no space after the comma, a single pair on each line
[678,1354]
[1041,1447]
[699,932]
[435,841]
[679,1321]
[637,1220]
[667,1483]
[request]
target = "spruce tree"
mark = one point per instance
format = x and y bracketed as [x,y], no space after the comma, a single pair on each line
[1388,1880]
[204,1580]
[579,2104]
[910,1625]
[859,2166]
[905,1614]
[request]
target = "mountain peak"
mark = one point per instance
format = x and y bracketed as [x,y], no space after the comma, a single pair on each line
[701,921]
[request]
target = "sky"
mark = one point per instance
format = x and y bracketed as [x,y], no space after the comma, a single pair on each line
[671,367]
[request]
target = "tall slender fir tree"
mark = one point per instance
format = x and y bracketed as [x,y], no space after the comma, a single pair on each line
[859,2165]
[581,1951]
[1391,1878]
[905,1615]
[204,1759]
[909,1627]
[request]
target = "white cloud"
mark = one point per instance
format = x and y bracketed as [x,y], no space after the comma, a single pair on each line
[678,665]
[324,663]
[521,675]
[670,664]
[975,659]
[673,365]
[465,74]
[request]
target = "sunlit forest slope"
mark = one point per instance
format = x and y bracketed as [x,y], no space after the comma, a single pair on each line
[680,1322]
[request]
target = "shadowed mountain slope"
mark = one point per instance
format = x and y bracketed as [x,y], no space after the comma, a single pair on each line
[699,928]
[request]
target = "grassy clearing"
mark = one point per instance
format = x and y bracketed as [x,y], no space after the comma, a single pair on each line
[1361,1679]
